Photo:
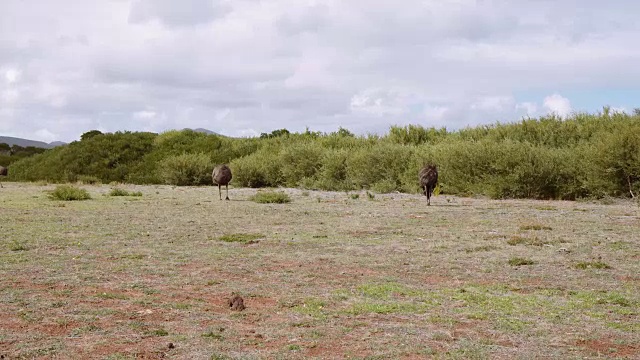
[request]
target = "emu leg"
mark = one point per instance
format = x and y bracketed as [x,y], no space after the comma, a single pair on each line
[227,186]
[220,191]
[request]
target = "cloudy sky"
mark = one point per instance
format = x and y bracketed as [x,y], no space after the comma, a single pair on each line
[242,67]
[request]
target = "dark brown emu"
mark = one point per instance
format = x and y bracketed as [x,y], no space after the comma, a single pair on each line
[222,176]
[428,179]
[3,172]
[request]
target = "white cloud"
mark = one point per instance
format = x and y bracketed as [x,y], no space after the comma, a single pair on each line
[144,114]
[11,75]
[46,135]
[557,104]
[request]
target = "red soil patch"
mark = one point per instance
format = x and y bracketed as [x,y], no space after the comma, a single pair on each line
[607,347]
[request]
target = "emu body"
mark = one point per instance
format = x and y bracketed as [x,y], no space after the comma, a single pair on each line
[222,176]
[3,172]
[428,179]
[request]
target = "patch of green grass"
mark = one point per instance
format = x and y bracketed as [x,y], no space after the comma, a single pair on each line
[18,246]
[271,197]
[615,299]
[106,295]
[481,248]
[591,265]
[215,335]
[294,347]
[620,245]
[355,196]
[69,193]
[312,307]
[220,357]
[157,332]
[535,227]
[123,192]
[468,350]
[386,308]
[386,290]
[521,240]
[518,261]
[305,193]
[241,238]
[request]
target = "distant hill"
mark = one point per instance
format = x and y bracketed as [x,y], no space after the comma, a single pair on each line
[208,132]
[26,142]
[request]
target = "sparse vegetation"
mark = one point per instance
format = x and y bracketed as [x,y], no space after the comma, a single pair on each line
[123,192]
[271,197]
[535,227]
[241,238]
[69,193]
[592,265]
[521,240]
[518,261]
[324,277]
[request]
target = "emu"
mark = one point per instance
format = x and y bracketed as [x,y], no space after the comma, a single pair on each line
[428,179]
[3,172]
[222,176]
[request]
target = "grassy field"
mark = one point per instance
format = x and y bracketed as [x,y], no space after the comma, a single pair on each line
[328,275]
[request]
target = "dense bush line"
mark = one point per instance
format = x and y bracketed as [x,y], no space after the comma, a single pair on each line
[586,155]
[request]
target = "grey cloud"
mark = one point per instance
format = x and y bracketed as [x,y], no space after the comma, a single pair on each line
[177,13]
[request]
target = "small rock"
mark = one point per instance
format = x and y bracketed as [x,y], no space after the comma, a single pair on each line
[171,346]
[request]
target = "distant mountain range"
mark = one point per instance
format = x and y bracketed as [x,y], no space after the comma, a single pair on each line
[26,142]
[41,144]
[208,132]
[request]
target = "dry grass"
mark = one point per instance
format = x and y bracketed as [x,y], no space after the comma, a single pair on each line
[123,277]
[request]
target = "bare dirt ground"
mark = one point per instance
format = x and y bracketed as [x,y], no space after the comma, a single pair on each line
[327,276]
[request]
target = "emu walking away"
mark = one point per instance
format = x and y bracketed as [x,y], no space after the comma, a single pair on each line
[222,176]
[428,179]
[3,172]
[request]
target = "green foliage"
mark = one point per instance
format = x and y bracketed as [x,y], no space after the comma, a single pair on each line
[415,135]
[275,133]
[241,238]
[12,153]
[586,155]
[260,169]
[186,169]
[89,134]
[69,193]
[123,192]
[592,264]
[271,197]
[517,261]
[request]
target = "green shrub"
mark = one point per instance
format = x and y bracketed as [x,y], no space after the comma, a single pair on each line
[69,193]
[123,192]
[592,264]
[299,161]
[260,169]
[271,197]
[186,169]
[517,261]
[383,163]
[242,238]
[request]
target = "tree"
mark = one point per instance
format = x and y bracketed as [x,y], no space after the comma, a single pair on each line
[90,134]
